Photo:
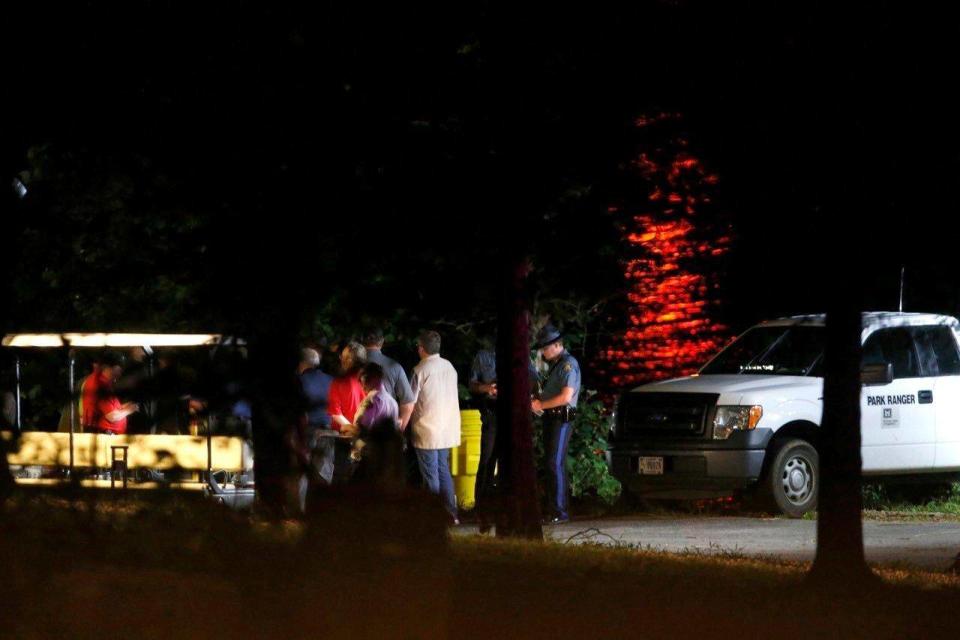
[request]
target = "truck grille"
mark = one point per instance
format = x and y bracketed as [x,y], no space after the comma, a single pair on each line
[665,415]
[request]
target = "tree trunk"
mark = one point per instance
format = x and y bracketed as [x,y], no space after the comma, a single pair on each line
[274,400]
[518,513]
[840,559]
[842,195]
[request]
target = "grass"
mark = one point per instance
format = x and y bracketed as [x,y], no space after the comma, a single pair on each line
[880,502]
[904,502]
[385,568]
[880,499]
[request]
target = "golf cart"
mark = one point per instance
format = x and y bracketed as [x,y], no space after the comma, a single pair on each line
[212,454]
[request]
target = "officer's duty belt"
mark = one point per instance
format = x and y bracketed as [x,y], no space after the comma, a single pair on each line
[563,414]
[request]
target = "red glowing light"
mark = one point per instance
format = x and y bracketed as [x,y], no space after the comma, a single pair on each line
[671,267]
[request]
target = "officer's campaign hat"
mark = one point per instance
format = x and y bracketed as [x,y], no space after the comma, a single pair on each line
[547,335]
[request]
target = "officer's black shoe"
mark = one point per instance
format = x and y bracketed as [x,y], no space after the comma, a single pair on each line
[556,520]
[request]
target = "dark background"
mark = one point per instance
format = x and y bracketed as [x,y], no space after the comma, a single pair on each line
[277,125]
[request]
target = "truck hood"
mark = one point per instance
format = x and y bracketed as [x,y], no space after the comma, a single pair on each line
[730,384]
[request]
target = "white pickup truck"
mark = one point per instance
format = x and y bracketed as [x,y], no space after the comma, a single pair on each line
[749,419]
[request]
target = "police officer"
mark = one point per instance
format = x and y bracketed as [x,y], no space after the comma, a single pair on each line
[558,403]
[483,386]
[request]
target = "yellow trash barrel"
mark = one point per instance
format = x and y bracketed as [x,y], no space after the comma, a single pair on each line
[465,459]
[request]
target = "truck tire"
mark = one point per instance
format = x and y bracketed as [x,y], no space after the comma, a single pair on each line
[794,478]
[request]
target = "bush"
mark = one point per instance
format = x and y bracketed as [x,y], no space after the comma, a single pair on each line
[587,469]
[928,496]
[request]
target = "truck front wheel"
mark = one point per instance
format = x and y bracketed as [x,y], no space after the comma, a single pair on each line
[794,478]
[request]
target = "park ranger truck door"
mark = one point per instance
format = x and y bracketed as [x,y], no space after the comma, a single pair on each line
[940,357]
[898,419]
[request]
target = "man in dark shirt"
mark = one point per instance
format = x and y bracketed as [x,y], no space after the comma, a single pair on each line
[483,386]
[315,385]
[397,384]
[317,440]
[395,381]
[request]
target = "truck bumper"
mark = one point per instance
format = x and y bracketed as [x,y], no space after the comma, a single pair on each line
[687,473]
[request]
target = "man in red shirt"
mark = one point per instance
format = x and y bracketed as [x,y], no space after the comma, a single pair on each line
[346,392]
[102,410]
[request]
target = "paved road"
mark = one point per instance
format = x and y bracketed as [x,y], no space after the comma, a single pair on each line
[930,545]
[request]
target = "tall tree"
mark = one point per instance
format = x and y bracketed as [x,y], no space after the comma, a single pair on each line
[518,513]
[839,561]
[840,554]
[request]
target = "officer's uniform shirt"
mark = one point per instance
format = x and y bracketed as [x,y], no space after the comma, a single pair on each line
[484,368]
[565,372]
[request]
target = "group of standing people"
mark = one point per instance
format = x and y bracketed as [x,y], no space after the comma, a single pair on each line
[373,392]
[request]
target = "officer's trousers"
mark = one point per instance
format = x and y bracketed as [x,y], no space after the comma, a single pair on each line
[483,488]
[556,440]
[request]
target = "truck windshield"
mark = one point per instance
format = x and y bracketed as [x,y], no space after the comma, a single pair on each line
[777,351]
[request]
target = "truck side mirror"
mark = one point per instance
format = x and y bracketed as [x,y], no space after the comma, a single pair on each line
[876,374]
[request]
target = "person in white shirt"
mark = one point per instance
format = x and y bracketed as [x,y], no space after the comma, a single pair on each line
[436,418]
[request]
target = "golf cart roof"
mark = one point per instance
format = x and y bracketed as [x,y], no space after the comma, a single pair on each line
[100,340]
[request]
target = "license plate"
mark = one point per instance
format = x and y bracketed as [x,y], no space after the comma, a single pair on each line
[650,466]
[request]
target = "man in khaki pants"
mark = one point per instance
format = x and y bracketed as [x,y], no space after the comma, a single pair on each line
[436,418]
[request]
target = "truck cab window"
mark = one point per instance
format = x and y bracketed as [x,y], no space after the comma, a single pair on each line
[938,351]
[772,350]
[894,346]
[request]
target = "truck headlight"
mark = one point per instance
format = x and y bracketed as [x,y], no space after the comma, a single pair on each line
[735,418]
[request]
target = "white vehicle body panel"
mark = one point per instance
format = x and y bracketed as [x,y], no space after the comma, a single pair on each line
[947,394]
[899,434]
[898,437]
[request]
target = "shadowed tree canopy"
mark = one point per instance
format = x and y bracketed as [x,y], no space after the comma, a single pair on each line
[368,151]
[246,169]
[360,144]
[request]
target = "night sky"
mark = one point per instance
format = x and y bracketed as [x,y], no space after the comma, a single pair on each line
[236,98]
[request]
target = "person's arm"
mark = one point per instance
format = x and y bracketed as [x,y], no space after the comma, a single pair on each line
[570,376]
[335,406]
[561,400]
[405,398]
[414,394]
[121,413]
[360,421]
[405,412]
[483,388]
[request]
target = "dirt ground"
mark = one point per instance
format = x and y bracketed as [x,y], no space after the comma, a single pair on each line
[389,570]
